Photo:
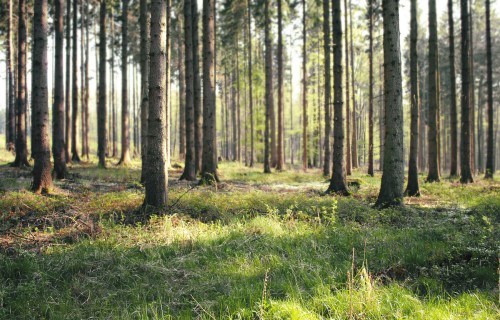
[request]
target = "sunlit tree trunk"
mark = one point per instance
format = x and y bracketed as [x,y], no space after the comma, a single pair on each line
[101,107]
[11,107]
[328,126]
[280,163]
[453,95]
[74,94]
[490,143]
[198,118]
[67,131]
[304,87]
[250,85]
[269,91]
[370,98]
[125,156]
[354,140]
[347,94]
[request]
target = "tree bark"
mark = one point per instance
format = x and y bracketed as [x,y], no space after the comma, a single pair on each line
[190,163]
[490,143]
[453,95]
[328,125]
[145,36]
[250,85]
[304,87]
[58,149]
[11,108]
[21,159]
[465,140]
[280,163]
[113,95]
[42,179]
[391,190]
[86,77]
[157,173]
[125,156]
[370,102]
[101,108]
[338,181]
[433,119]
[269,91]
[67,131]
[412,188]
[182,95]
[347,95]
[74,94]
[209,163]
[354,140]
[198,117]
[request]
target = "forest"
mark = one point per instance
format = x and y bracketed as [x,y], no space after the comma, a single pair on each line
[249,159]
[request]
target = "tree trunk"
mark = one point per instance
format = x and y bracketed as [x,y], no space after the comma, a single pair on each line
[11,108]
[391,190]
[86,93]
[125,156]
[465,140]
[113,95]
[157,173]
[21,145]
[354,140]
[338,181]
[67,131]
[269,91]
[209,165]
[304,87]
[182,96]
[42,179]
[490,144]
[58,105]
[433,119]
[74,95]
[412,188]
[328,125]
[280,163]
[101,107]
[453,95]
[190,163]
[250,85]
[168,85]
[480,134]
[370,102]
[347,95]
[198,117]
[145,36]
[472,87]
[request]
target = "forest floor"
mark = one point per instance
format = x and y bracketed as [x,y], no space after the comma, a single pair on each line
[254,247]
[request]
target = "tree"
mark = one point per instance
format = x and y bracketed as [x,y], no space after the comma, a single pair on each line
[453,96]
[412,188]
[338,181]
[145,34]
[304,87]
[42,179]
[370,102]
[280,161]
[67,129]
[198,117]
[433,119]
[58,149]
[328,126]
[125,156]
[465,148]
[354,140]
[101,108]
[269,89]
[490,144]
[157,173]
[190,165]
[21,145]
[347,96]
[11,108]
[250,84]
[209,163]
[74,142]
[391,189]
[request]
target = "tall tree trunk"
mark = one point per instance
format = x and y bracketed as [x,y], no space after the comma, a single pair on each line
[354,140]
[11,108]
[74,94]
[250,89]
[391,190]
[145,36]
[412,188]
[280,163]
[21,145]
[125,156]
[304,87]
[453,94]
[182,95]
[168,85]
[209,165]
[233,115]
[190,163]
[370,102]
[238,104]
[226,107]
[113,95]
[480,119]
[490,144]
[67,124]
[101,107]
[58,105]
[381,118]
[465,140]
[433,119]
[347,94]
[42,179]
[338,181]
[86,92]
[198,117]
[157,173]
[472,87]
[269,91]
[328,125]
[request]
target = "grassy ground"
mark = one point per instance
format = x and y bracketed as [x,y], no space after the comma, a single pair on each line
[255,246]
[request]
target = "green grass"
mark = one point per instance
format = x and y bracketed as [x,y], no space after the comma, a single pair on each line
[254,246]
